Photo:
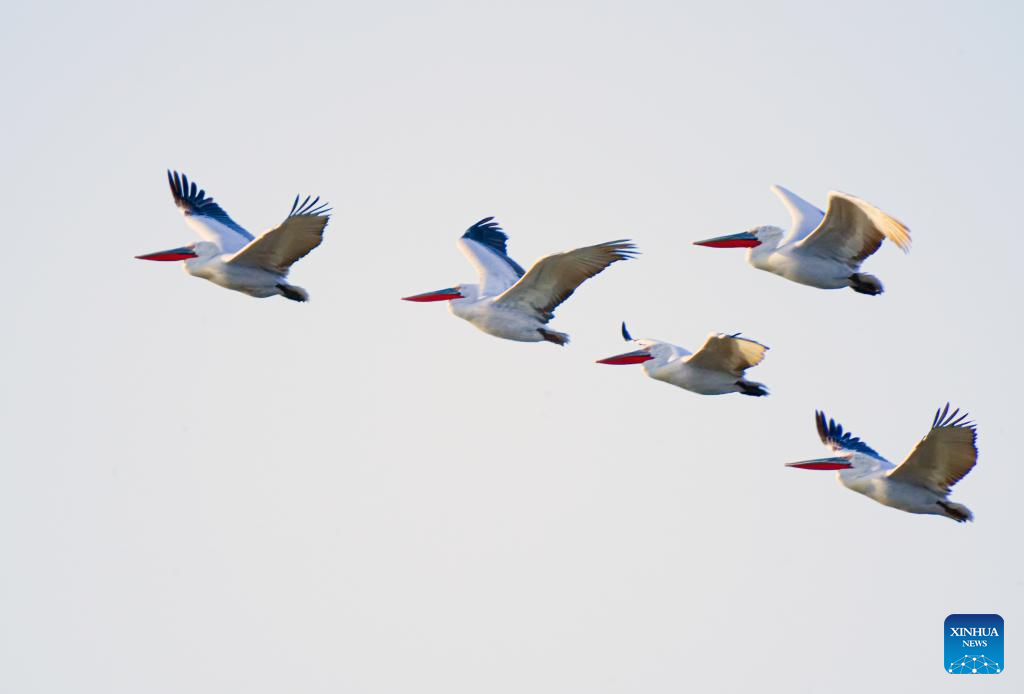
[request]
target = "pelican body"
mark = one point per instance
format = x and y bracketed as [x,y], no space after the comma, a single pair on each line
[921,483]
[717,368]
[823,250]
[513,304]
[231,257]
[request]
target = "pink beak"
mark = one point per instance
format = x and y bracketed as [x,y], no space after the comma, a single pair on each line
[440,295]
[183,253]
[637,357]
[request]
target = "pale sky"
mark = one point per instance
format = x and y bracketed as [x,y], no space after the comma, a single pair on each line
[204,492]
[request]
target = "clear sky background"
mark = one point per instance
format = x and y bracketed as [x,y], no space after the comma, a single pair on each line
[205,492]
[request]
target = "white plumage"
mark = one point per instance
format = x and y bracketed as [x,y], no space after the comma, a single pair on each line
[231,257]
[718,367]
[823,249]
[512,304]
[922,482]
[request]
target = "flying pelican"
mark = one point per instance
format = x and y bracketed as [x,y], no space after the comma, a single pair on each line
[921,483]
[823,250]
[229,256]
[513,304]
[715,369]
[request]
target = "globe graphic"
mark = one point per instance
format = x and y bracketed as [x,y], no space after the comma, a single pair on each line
[974,665]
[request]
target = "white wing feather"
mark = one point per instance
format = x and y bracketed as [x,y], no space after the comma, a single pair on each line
[494,274]
[205,216]
[806,217]
[209,229]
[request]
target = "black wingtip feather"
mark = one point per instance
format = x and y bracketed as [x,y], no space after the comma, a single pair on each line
[489,233]
[832,434]
[625,249]
[309,206]
[943,418]
[192,200]
[625,333]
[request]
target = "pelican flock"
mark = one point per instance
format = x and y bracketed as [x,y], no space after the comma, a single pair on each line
[822,249]
[230,256]
[516,305]
[718,367]
[921,483]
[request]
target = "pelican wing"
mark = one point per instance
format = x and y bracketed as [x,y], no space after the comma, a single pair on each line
[806,217]
[553,279]
[943,456]
[297,235]
[852,230]
[832,435]
[730,353]
[206,217]
[484,246]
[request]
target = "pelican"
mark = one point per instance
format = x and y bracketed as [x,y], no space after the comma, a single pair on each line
[823,250]
[717,367]
[921,483]
[513,304]
[229,256]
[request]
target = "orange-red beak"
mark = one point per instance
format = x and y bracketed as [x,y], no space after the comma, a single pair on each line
[822,464]
[637,357]
[183,253]
[744,239]
[440,295]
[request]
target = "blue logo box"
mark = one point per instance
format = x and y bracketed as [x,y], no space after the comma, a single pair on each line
[974,644]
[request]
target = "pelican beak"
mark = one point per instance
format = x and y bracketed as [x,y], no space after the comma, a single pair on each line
[183,253]
[822,464]
[744,239]
[440,295]
[637,357]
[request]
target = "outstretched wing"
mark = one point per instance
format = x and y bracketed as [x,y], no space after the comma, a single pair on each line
[943,456]
[205,216]
[832,435]
[297,235]
[484,245]
[730,353]
[852,230]
[553,279]
[806,217]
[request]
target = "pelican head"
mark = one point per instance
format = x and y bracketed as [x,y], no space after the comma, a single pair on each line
[855,457]
[647,351]
[849,466]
